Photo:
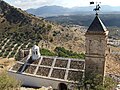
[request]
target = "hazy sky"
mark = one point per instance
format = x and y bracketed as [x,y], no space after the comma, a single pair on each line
[25,4]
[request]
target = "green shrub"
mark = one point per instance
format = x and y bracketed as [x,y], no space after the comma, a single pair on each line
[12,54]
[30,45]
[2,44]
[17,57]
[62,52]
[1,54]
[47,52]
[14,42]
[9,49]
[23,46]
[15,48]
[12,46]
[19,43]
[3,50]
[96,82]
[6,46]
[9,43]
[9,83]
[6,53]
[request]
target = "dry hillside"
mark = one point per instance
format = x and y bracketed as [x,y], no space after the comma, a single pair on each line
[5,64]
[22,27]
[113,62]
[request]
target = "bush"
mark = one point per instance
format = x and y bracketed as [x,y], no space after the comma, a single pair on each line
[9,49]
[6,53]
[23,46]
[17,56]
[12,54]
[3,51]
[9,43]
[2,44]
[1,54]
[15,48]
[96,82]
[62,52]
[12,46]
[8,83]
[46,52]
[30,45]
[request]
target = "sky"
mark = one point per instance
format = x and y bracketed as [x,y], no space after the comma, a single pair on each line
[27,4]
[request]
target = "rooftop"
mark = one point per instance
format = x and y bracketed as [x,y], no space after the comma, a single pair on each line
[96,26]
[55,68]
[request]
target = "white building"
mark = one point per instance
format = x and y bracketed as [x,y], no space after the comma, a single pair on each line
[37,71]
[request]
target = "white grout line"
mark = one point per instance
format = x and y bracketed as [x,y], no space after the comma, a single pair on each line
[68,66]
[38,65]
[53,64]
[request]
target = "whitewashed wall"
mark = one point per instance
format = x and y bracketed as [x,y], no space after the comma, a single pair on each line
[36,81]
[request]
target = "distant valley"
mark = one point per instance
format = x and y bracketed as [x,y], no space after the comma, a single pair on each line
[111,21]
[85,20]
[54,10]
[82,16]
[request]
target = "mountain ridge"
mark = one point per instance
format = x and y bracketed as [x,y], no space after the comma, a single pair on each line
[59,10]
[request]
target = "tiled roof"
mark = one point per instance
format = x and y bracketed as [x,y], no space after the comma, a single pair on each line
[97,26]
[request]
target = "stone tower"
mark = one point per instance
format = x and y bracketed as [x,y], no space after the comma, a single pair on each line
[96,48]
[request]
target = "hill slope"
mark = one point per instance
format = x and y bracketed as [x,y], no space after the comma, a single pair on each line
[18,29]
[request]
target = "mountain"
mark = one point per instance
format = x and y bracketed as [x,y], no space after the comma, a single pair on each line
[111,21]
[19,30]
[46,11]
[85,20]
[49,11]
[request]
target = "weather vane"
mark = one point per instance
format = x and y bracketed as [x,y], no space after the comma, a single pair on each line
[97,8]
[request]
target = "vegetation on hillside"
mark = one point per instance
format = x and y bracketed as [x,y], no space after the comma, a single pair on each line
[62,52]
[96,82]
[10,46]
[85,20]
[47,52]
[9,83]
[24,30]
[10,49]
[110,20]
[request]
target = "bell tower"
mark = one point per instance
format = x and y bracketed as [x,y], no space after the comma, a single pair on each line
[96,48]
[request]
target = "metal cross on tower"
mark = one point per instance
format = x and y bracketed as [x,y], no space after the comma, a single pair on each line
[97,8]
